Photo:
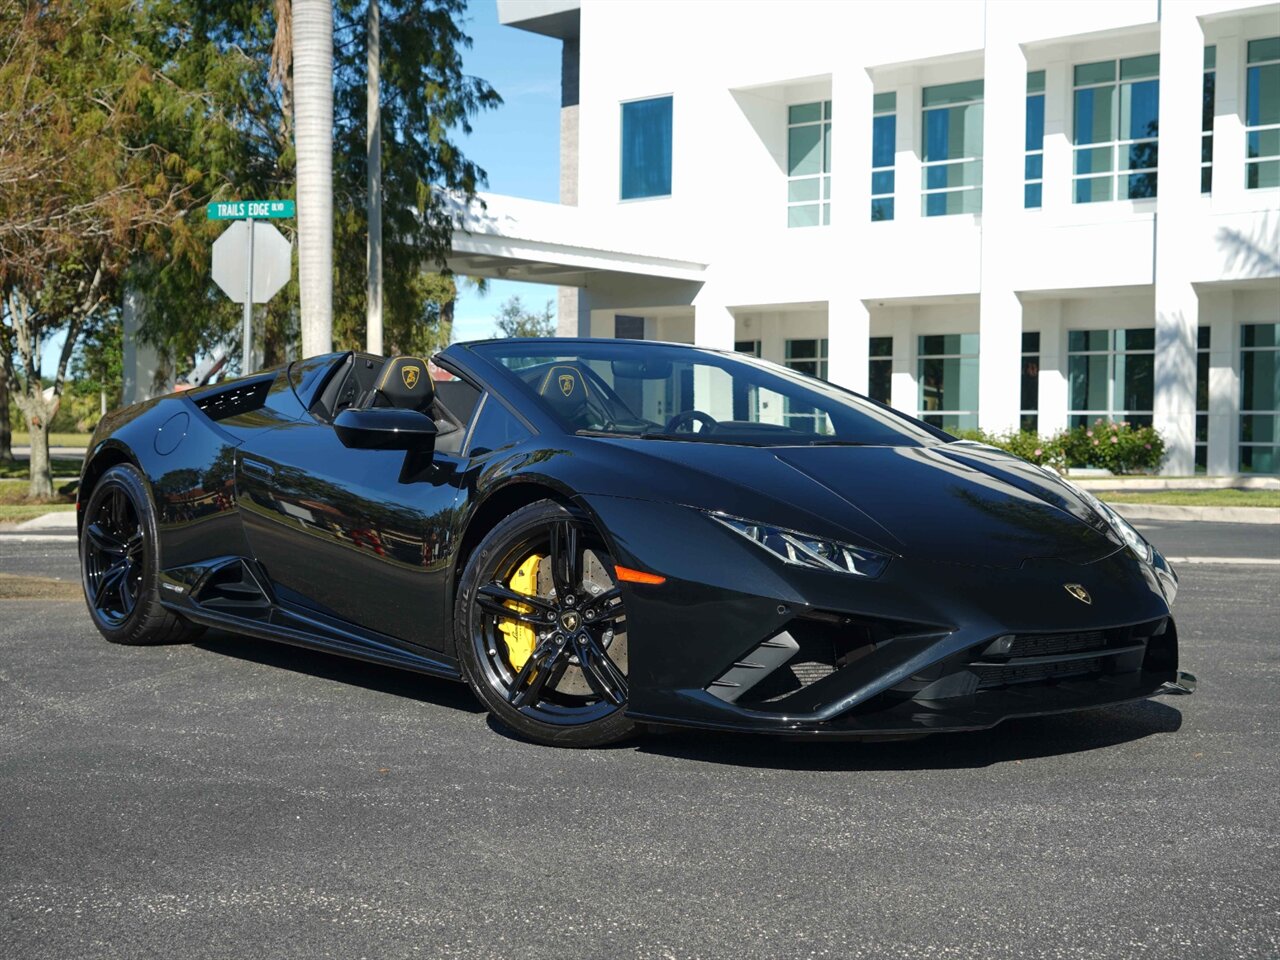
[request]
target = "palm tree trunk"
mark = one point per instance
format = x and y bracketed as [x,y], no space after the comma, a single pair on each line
[313,137]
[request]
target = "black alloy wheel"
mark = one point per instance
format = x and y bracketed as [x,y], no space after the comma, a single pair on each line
[542,628]
[113,561]
[120,562]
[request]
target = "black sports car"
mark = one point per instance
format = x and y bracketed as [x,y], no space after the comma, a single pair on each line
[595,534]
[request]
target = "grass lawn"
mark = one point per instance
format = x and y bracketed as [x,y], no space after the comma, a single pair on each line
[55,439]
[1196,498]
[20,469]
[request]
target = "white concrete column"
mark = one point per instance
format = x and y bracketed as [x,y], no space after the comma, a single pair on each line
[713,326]
[1177,305]
[582,306]
[848,342]
[1229,96]
[1056,192]
[1053,394]
[907,158]
[1004,130]
[903,392]
[1224,383]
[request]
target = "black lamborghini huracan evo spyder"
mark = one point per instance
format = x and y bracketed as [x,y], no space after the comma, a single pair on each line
[596,534]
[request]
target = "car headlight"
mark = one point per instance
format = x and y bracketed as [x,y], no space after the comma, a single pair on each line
[1131,538]
[806,550]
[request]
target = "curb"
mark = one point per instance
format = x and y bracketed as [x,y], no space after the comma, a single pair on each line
[1165,511]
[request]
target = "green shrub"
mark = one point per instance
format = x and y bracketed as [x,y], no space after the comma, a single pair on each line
[1118,447]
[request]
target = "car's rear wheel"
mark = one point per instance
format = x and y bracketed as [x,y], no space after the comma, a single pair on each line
[542,631]
[119,563]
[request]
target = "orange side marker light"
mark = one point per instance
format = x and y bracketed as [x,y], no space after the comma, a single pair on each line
[627,575]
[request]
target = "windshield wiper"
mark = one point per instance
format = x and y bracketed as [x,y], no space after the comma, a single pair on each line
[839,443]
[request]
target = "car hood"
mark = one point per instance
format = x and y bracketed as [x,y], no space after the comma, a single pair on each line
[950,503]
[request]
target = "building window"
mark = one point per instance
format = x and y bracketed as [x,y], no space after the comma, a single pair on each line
[1262,114]
[628,328]
[1206,119]
[884,148]
[808,357]
[1117,116]
[1032,192]
[947,373]
[809,164]
[1030,415]
[880,369]
[1260,398]
[750,347]
[1202,399]
[646,148]
[951,178]
[1111,375]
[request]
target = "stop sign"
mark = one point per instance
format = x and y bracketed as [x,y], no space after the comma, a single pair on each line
[272,260]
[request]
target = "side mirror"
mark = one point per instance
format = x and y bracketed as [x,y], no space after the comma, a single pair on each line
[386,428]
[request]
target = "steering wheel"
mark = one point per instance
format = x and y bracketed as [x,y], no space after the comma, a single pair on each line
[688,418]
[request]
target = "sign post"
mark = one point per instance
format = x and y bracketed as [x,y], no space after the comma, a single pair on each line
[247,211]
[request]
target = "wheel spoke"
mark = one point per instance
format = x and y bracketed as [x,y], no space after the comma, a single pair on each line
[504,612]
[493,595]
[110,583]
[119,514]
[566,557]
[127,595]
[547,661]
[601,674]
[103,541]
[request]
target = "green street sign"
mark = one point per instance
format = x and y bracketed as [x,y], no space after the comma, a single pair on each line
[255,209]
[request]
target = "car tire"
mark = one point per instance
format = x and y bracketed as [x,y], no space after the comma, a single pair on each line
[481,656]
[120,563]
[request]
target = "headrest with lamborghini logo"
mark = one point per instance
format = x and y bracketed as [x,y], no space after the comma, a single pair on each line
[406,384]
[565,388]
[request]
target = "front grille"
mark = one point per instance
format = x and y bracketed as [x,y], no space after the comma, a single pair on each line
[1051,644]
[1000,675]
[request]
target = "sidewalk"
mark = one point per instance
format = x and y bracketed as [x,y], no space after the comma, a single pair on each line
[55,527]
[1166,511]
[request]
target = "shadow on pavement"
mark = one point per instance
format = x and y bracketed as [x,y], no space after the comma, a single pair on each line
[1012,740]
[357,673]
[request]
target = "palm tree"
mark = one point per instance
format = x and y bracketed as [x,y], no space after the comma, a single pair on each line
[312,29]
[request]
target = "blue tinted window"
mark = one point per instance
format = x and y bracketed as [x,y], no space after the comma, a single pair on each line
[883,140]
[1143,109]
[646,148]
[1031,195]
[1035,122]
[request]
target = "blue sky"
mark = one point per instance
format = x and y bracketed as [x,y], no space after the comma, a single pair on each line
[518,144]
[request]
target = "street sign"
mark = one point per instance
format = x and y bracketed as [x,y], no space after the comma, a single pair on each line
[257,209]
[272,261]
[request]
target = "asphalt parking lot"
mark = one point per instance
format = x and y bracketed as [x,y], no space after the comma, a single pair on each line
[237,799]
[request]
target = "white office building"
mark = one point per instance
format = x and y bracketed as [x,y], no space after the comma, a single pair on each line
[993,214]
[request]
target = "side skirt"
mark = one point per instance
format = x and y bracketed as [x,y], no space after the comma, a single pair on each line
[301,631]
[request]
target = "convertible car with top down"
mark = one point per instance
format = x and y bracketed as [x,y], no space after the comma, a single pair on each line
[599,535]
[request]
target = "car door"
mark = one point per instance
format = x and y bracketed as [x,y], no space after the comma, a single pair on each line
[358,535]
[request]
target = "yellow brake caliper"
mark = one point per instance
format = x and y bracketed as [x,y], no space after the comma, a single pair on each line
[519,637]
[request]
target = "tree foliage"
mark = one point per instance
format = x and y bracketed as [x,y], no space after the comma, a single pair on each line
[83,183]
[234,48]
[514,320]
[121,119]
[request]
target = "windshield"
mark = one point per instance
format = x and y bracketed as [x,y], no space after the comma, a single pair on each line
[670,392]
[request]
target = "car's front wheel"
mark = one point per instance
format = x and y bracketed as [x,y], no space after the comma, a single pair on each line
[542,631]
[120,563]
